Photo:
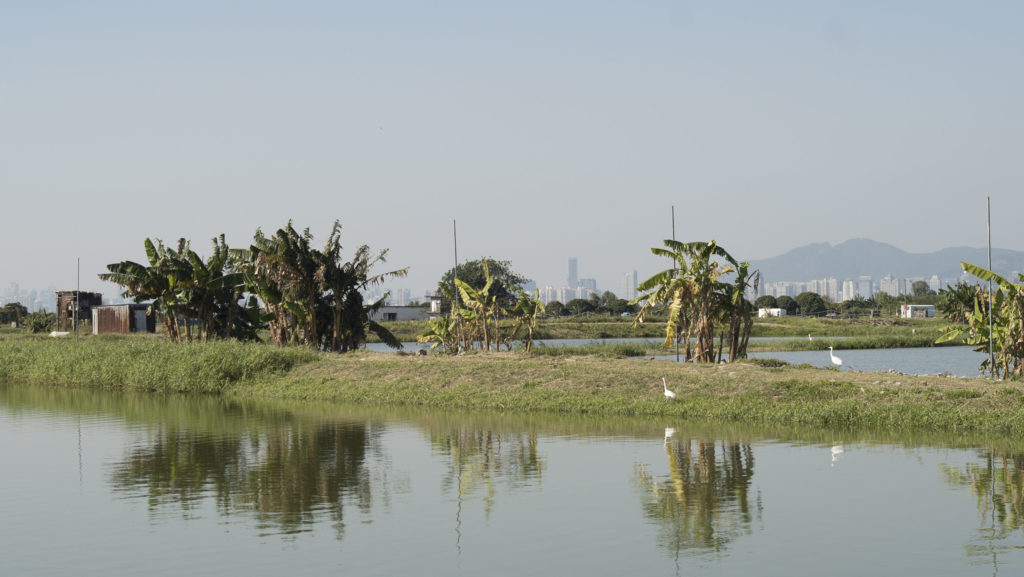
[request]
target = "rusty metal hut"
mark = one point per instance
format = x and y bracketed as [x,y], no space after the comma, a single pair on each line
[122,319]
[71,302]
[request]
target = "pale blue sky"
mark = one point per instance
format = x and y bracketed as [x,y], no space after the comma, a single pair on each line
[546,129]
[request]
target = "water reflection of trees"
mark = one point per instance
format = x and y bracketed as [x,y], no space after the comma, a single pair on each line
[997,482]
[286,476]
[481,458]
[704,503]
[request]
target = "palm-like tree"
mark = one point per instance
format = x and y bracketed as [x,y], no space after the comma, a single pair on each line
[312,297]
[160,282]
[528,309]
[1007,335]
[696,297]
[483,306]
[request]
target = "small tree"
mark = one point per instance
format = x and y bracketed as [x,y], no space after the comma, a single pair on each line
[1007,334]
[556,309]
[528,309]
[810,303]
[504,281]
[788,304]
[13,313]
[920,288]
[766,302]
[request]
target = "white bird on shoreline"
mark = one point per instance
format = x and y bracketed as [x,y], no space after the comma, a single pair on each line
[835,360]
[668,394]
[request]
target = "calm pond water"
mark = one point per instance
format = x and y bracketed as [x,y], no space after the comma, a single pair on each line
[956,361]
[100,483]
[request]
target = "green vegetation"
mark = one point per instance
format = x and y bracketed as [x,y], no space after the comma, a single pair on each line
[1006,337]
[754,393]
[698,300]
[310,297]
[141,363]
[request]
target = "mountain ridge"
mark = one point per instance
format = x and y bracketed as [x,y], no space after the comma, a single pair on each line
[853,258]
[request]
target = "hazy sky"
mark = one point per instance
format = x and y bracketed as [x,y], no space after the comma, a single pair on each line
[546,129]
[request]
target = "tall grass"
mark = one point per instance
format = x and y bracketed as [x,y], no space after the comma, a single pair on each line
[143,363]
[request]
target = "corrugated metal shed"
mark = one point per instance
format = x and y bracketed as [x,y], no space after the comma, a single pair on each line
[68,302]
[122,319]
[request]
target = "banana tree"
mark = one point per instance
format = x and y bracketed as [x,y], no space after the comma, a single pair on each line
[160,282]
[1007,334]
[483,306]
[528,309]
[691,289]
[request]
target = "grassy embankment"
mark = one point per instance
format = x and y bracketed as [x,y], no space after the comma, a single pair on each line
[740,392]
[863,333]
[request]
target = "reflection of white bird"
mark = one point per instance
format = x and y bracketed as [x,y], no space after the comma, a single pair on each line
[668,394]
[836,451]
[835,360]
[669,432]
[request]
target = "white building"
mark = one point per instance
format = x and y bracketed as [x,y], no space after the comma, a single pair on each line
[917,311]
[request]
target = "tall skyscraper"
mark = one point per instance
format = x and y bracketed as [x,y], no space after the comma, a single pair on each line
[574,275]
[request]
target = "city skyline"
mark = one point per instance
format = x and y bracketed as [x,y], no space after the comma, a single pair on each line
[834,288]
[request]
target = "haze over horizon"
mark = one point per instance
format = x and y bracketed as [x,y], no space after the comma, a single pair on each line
[546,130]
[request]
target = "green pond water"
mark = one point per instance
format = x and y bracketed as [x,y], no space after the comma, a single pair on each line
[105,483]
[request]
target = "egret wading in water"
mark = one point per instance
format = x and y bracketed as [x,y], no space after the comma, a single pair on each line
[668,394]
[835,360]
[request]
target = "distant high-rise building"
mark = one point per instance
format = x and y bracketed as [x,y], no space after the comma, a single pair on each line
[566,294]
[889,286]
[574,273]
[549,294]
[586,286]
[629,283]
[864,288]
[848,290]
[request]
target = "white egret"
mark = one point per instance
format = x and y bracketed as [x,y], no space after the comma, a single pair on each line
[835,360]
[668,394]
[809,338]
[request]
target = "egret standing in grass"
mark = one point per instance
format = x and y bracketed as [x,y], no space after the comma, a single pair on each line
[835,360]
[668,394]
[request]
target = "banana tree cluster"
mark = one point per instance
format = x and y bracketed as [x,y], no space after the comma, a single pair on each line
[700,304]
[1007,318]
[197,299]
[305,296]
[482,316]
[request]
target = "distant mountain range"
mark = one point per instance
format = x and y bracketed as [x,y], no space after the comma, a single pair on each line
[861,256]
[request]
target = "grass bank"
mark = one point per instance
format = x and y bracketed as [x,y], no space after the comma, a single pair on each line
[883,332]
[739,392]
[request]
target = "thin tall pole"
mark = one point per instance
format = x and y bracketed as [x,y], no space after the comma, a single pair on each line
[78,294]
[991,352]
[677,267]
[455,288]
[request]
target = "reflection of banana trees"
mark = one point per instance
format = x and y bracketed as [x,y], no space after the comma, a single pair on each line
[704,503]
[480,459]
[998,484]
[285,476]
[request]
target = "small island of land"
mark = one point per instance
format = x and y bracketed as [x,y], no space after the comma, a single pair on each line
[593,379]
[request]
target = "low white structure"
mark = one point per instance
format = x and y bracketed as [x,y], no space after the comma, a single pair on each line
[917,311]
[765,313]
[393,313]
